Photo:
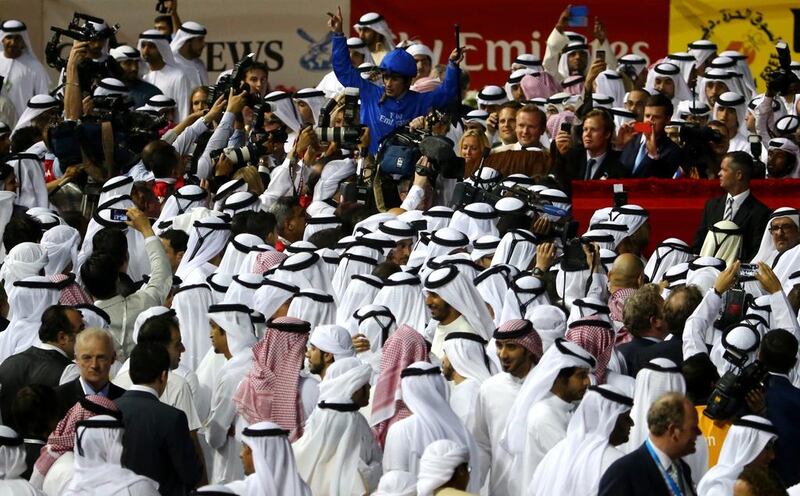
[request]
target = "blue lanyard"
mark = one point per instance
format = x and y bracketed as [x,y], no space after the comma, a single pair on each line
[673,485]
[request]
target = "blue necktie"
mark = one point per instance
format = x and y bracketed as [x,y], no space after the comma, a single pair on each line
[639,157]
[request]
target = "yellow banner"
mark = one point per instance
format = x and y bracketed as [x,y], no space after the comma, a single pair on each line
[746,26]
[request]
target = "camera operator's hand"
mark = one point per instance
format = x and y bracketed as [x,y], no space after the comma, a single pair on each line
[215,112]
[767,278]
[545,256]
[651,144]
[87,104]
[563,142]
[360,343]
[236,102]
[595,69]
[417,122]
[756,401]
[335,20]
[563,20]
[492,122]
[139,221]
[421,180]
[223,167]
[305,141]
[727,278]
[364,140]
[625,134]
[78,53]
[542,226]
[592,252]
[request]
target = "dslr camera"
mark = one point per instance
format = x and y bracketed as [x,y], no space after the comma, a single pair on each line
[347,135]
[728,397]
[781,80]
[235,81]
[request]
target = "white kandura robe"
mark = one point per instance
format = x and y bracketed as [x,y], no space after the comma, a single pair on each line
[492,406]
[463,398]
[546,426]
[24,77]
[173,83]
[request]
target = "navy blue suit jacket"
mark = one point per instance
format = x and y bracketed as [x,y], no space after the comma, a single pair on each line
[670,157]
[157,443]
[783,403]
[636,474]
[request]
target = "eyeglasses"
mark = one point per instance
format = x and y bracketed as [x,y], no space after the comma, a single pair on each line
[782,227]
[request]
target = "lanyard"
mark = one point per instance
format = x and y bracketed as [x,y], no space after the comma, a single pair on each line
[673,485]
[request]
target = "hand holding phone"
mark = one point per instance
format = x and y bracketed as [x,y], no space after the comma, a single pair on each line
[643,127]
[600,55]
[118,214]
[578,16]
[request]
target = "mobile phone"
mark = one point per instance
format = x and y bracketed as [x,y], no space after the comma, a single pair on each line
[643,127]
[600,55]
[566,127]
[578,16]
[748,271]
[754,138]
[118,214]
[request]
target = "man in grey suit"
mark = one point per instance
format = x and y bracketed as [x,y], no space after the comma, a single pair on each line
[157,442]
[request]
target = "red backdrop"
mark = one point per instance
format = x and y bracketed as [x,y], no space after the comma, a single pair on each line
[501,29]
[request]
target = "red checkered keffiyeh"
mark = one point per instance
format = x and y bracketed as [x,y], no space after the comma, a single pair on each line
[72,294]
[267,260]
[62,438]
[521,332]
[270,390]
[597,337]
[404,347]
[616,303]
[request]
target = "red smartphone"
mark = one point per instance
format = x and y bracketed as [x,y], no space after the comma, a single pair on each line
[643,127]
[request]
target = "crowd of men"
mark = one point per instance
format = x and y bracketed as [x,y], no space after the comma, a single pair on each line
[201,292]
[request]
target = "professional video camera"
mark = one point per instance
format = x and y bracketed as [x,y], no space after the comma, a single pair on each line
[348,135]
[111,123]
[781,80]
[234,80]
[400,151]
[80,28]
[728,397]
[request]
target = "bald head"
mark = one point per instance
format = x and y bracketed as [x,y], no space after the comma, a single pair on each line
[627,272]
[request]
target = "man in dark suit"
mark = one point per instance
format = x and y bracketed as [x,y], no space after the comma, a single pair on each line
[643,315]
[94,353]
[779,353]
[572,161]
[157,442]
[651,154]
[672,421]
[41,364]
[737,204]
[680,304]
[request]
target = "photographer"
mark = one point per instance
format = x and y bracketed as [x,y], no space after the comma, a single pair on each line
[394,105]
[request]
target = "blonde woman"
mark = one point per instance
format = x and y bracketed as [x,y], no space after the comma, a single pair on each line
[470,147]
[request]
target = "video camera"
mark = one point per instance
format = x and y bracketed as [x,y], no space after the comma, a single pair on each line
[348,135]
[235,81]
[781,80]
[131,131]
[728,397]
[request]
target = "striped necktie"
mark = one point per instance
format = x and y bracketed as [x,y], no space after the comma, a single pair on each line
[728,209]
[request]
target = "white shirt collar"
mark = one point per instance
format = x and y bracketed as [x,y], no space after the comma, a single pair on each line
[663,458]
[50,347]
[738,200]
[146,389]
[89,390]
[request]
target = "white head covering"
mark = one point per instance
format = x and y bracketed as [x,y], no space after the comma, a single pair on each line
[377,23]
[6,210]
[550,323]
[572,46]
[376,323]
[12,454]
[317,223]
[235,253]
[467,354]
[668,253]
[332,175]
[702,50]
[241,201]
[61,244]
[125,52]
[28,299]
[397,483]
[523,295]
[115,187]
[161,41]
[745,440]
[438,464]
[610,83]
[315,99]
[361,291]
[110,87]
[273,458]
[402,294]
[766,251]
[37,105]
[284,108]
[492,95]
[355,260]
[517,248]
[737,102]
[563,354]
[573,466]
[314,306]
[183,200]
[272,295]
[235,320]
[187,31]
[98,453]
[143,317]
[424,391]
[24,260]
[459,291]
[672,71]
[94,316]
[328,454]
[656,378]
[191,303]
[206,240]
[242,289]
[305,271]
[331,339]
[475,220]
[792,149]
[492,284]
[723,241]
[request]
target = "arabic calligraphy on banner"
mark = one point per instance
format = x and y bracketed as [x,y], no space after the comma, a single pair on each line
[744,26]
